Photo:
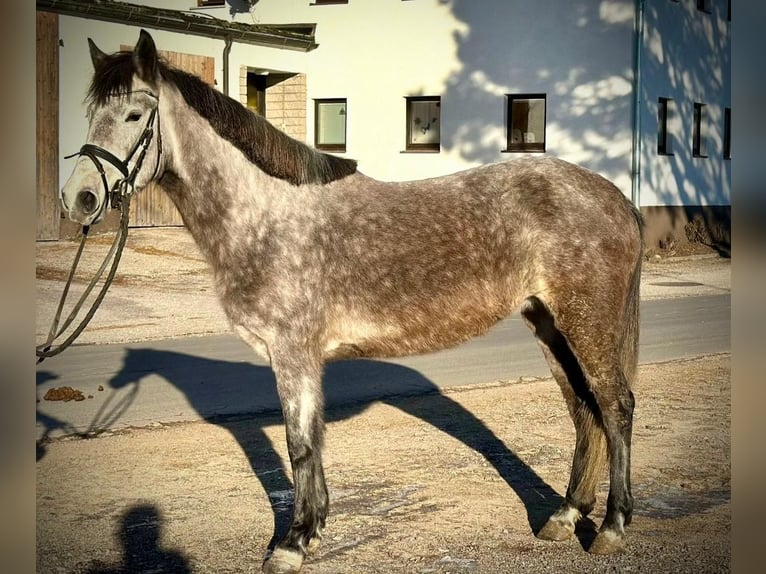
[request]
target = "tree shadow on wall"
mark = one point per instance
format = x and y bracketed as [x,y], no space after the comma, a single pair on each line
[695,189]
[506,47]
[582,58]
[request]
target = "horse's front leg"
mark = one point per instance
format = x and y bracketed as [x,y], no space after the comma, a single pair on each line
[299,383]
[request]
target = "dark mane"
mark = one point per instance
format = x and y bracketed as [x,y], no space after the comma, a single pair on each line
[270,149]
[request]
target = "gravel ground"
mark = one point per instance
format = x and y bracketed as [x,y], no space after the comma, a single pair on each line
[455,483]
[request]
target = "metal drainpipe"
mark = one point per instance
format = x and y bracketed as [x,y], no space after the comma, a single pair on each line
[635,189]
[226,52]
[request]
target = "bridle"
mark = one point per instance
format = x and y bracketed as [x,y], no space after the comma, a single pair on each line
[124,186]
[119,198]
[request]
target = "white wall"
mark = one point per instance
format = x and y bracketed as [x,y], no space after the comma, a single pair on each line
[471,53]
[687,58]
[376,52]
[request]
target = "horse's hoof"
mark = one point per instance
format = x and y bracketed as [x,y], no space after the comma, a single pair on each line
[556,530]
[561,525]
[283,561]
[608,542]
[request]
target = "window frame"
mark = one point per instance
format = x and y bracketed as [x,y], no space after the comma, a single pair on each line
[409,145]
[699,129]
[664,105]
[211,3]
[327,2]
[338,148]
[524,147]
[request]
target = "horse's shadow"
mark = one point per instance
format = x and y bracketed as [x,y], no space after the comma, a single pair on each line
[382,381]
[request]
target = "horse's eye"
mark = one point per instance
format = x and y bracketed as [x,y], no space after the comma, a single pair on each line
[133,117]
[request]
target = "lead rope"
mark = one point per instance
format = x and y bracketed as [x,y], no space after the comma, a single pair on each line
[47,349]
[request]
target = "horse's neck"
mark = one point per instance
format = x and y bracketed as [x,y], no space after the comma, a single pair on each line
[218,191]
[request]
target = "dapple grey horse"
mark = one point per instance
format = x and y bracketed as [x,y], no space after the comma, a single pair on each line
[316,262]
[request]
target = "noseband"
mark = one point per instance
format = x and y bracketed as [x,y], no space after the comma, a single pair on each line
[124,186]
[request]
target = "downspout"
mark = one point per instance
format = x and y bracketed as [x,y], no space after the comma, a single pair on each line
[635,188]
[226,52]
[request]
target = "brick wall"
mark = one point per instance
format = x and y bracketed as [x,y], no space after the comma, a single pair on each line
[243,85]
[286,106]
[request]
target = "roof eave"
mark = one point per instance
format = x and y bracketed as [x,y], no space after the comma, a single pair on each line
[184,22]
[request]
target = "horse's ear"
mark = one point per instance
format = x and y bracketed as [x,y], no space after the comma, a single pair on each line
[96,55]
[145,58]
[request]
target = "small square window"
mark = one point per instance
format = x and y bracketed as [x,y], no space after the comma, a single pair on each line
[423,123]
[727,133]
[204,3]
[525,122]
[666,112]
[330,124]
[699,131]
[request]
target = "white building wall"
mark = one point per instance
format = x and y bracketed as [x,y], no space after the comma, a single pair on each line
[686,57]
[374,53]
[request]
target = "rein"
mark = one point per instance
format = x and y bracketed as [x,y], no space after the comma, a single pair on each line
[119,197]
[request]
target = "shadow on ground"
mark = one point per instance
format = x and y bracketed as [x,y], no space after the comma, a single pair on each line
[140,531]
[386,382]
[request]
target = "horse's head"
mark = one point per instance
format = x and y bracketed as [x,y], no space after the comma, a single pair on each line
[124,147]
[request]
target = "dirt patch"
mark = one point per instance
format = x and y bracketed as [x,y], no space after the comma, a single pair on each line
[453,482]
[150,250]
[42,272]
[673,248]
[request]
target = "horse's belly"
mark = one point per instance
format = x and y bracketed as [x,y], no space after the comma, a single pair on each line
[392,338]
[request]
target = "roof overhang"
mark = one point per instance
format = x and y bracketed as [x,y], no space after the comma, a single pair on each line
[289,36]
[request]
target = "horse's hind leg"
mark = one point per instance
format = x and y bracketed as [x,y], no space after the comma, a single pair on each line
[601,404]
[300,392]
[590,447]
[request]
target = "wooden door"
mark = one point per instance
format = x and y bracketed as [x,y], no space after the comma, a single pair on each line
[47,120]
[151,207]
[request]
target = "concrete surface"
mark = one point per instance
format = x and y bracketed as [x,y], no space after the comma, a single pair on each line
[160,351]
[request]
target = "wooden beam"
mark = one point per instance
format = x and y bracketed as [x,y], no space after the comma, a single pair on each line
[48,206]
